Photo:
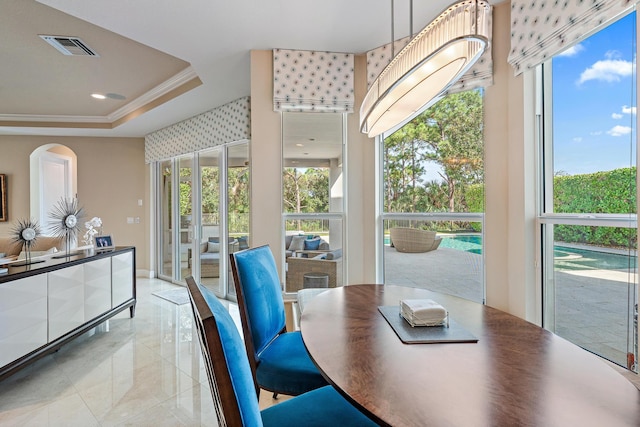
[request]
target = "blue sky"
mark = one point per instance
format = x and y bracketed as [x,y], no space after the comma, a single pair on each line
[594,102]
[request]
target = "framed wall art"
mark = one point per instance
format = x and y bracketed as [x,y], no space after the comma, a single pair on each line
[4,211]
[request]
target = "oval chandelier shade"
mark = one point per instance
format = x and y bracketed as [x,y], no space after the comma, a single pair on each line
[432,61]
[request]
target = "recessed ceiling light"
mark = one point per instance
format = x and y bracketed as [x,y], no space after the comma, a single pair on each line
[299,145]
[98,96]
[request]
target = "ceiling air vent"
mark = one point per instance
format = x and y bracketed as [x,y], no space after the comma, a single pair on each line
[69,45]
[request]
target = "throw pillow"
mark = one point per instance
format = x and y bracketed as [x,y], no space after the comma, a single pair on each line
[335,254]
[213,247]
[297,243]
[312,244]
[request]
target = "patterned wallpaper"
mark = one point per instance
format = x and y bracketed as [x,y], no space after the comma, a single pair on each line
[479,75]
[540,29]
[227,123]
[312,81]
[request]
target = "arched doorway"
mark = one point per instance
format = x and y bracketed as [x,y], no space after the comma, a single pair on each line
[53,175]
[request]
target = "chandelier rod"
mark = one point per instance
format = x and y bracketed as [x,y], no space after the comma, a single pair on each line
[411,19]
[393,38]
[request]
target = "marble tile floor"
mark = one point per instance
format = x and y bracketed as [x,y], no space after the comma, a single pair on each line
[145,371]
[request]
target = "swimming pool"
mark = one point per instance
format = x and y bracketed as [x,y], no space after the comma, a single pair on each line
[467,243]
[567,258]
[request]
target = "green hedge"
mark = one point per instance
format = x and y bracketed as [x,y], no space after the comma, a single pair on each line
[612,192]
[601,192]
[474,197]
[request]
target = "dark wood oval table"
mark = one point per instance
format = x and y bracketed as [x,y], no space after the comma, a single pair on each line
[517,374]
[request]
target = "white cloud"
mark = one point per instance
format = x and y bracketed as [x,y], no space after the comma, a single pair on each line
[577,139]
[572,51]
[613,54]
[597,133]
[608,70]
[619,130]
[616,116]
[628,110]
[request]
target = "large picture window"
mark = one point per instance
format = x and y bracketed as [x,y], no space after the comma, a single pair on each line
[313,199]
[588,193]
[433,199]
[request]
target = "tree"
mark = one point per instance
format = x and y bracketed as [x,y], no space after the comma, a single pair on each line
[210,194]
[306,190]
[405,165]
[449,134]
[238,195]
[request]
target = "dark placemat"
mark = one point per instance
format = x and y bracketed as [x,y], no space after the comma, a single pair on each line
[424,334]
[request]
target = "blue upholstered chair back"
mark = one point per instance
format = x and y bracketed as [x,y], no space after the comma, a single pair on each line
[219,334]
[260,286]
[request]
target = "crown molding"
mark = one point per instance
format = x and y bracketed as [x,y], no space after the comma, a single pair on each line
[180,83]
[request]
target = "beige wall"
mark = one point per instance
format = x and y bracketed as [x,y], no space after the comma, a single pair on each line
[112,177]
[266,159]
[509,181]
[361,189]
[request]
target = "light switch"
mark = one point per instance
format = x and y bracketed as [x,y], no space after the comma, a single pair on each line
[129,220]
[139,202]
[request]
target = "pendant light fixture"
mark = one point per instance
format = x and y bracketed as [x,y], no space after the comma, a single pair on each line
[431,62]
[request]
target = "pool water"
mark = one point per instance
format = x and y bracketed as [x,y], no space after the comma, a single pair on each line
[468,243]
[584,259]
[564,257]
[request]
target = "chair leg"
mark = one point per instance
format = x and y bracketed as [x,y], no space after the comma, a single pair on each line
[275,395]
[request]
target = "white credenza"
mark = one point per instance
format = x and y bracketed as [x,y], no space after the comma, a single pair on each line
[23,317]
[46,304]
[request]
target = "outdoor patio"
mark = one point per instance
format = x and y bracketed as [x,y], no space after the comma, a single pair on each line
[591,304]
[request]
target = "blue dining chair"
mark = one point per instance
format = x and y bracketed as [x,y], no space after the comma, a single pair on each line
[232,383]
[278,359]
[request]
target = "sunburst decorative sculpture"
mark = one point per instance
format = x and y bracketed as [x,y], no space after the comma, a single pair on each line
[66,219]
[26,233]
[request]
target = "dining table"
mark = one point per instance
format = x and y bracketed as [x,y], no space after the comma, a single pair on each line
[515,373]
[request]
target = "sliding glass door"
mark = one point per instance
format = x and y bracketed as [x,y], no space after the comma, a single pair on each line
[203,206]
[238,199]
[209,251]
[165,213]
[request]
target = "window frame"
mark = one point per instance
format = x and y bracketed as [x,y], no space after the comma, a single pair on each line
[546,217]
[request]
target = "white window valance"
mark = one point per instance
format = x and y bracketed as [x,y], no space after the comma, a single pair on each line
[479,75]
[310,81]
[541,29]
[227,123]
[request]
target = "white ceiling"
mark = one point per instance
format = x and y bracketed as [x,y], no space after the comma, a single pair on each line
[214,37]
